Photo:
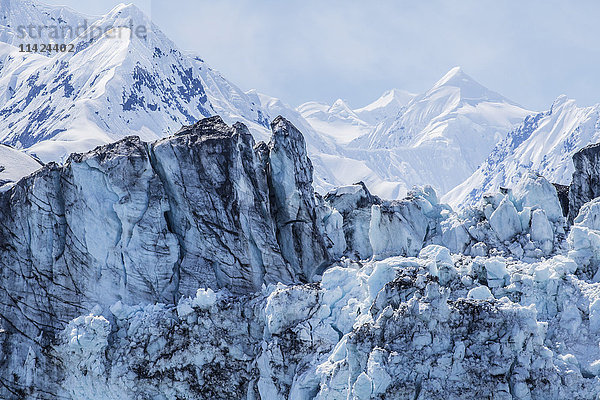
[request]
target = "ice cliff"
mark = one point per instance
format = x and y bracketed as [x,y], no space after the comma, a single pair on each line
[203,265]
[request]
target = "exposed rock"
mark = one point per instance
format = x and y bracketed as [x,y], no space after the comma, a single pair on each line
[585,184]
[563,196]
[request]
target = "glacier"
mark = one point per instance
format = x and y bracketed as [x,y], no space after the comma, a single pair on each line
[167,235]
[204,265]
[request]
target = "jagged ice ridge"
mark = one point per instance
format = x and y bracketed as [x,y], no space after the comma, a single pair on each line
[219,273]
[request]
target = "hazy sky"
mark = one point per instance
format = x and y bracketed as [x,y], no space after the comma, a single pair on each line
[530,51]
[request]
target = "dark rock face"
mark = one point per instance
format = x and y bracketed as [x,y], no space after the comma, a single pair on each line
[563,196]
[144,223]
[585,185]
[219,208]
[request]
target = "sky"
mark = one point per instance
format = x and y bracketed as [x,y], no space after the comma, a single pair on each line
[308,50]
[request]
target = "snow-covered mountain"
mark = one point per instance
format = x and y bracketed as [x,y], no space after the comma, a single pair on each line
[27,21]
[142,85]
[124,84]
[451,111]
[439,137]
[146,86]
[442,135]
[544,143]
[389,104]
[337,120]
[344,124]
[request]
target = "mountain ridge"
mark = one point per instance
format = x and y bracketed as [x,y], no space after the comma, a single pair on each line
[544,143]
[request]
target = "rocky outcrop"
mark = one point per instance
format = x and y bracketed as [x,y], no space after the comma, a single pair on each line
[585,184]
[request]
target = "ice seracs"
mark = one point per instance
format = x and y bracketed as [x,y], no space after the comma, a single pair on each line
[584,240]
[378,330]
[219,273]
[524,222]
[203,208]
[202,265]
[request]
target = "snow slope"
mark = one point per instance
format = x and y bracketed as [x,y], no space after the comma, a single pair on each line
[337,121]
[544,143]
[14,165]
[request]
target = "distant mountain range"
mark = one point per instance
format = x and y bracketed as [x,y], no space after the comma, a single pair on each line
[458,136]
[439,137]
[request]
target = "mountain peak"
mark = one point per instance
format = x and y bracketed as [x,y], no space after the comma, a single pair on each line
[455,77]
[402,97]
[471,91]
[126,9]
[340,106]
[388,104]
[560,102]
[128,14]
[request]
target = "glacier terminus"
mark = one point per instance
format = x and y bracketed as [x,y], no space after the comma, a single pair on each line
[166,235]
